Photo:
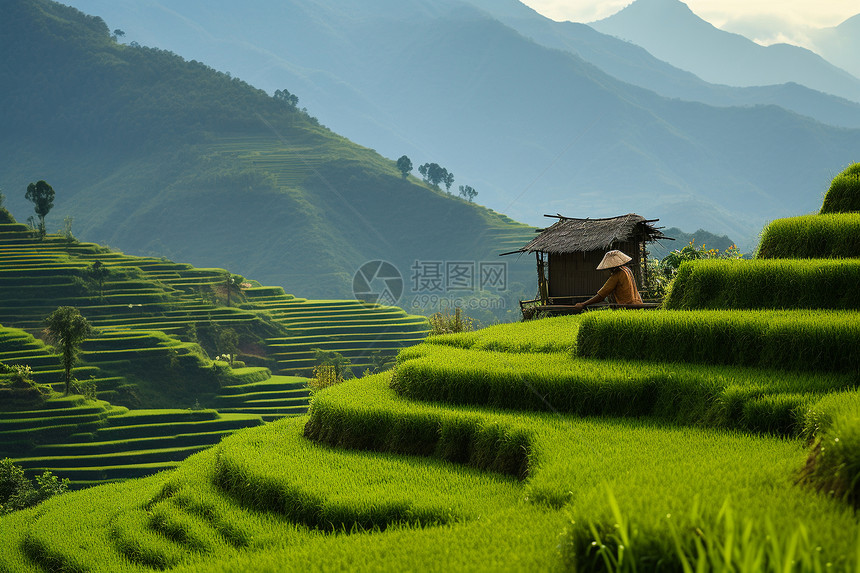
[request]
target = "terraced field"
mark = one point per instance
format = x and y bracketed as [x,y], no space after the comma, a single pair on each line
[352,328]
[273,398]
[158,324]
[176,304]
[92,441]
[547,445]
[376,478]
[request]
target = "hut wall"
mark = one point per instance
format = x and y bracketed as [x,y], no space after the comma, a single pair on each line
[575,274]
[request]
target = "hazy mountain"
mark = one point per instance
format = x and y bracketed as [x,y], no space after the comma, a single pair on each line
[534,130]
[840,44]
[670,31]
[158,156]
[633,64]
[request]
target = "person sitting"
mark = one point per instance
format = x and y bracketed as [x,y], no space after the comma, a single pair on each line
[621,283]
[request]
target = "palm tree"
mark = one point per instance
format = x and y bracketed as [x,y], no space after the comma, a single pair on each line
[67,328]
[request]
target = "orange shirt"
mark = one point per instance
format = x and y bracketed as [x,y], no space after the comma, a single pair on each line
[623,286]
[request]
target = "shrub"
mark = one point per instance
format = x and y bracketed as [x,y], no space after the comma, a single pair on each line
[446,323]
[325,375]
[660,273]
[844,193]
[19,388]
[17,492]
[6,217]
[331,368]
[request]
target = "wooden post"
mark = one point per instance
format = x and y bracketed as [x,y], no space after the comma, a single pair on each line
[542,286]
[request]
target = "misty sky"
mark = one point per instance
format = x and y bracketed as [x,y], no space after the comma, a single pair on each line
[765,21]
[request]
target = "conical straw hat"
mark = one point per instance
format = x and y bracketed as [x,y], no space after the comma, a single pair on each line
[613,259]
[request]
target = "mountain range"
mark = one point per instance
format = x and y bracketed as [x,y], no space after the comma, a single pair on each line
[671,32]
[535,130]
[635,65]
[840,44]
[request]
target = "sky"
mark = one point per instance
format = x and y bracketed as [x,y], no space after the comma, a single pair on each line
[765,21]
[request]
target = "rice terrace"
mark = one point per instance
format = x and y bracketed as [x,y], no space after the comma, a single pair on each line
[205,376]
[718,433]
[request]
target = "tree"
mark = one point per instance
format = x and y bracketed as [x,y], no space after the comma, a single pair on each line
[67,328]
[98,272]
[228,343]
[117,34]
[67,230]
[233,283]
[404,164]
[286,97]
[434,174]
[467,192]
[42,196]
[448,180]
[5,216]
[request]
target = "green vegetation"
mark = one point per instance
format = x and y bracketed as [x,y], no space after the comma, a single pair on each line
[722,439]
[447,323]
[661,272]
[292,478]
[812,341]
[468,193]
[404,165]
[68,329]
[684,441]
[556,334]
[766,283]
[158,324]
[830,236]
[159,321]
[17,492]
[844,193]
[267,498]
[754,400]
[658,251]
[42,196]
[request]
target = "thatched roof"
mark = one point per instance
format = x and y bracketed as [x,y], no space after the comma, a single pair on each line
[570,235]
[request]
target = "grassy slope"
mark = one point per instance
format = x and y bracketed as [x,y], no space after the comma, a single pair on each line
[254,504]
[506,478]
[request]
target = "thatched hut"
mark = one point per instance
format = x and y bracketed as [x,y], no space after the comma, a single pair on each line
[569,251]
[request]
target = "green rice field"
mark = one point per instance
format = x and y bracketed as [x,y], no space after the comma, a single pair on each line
[160,395]
[509,456]
[695,438]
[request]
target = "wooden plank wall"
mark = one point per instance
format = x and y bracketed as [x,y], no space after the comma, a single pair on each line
[575,274]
